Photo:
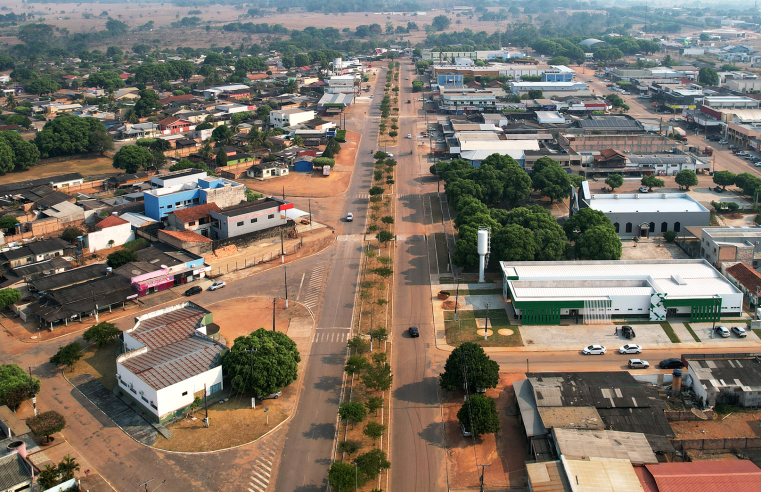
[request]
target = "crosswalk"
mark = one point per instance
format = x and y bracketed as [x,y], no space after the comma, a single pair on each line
[314,289]
[261,473]
[331,337]
[366,196]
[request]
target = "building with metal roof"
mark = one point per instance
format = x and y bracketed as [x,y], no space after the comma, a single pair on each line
[578,444]
[730,379]
[601,475]
[170,359]
[597,290]
[700,476]
[611,123]
[547,476]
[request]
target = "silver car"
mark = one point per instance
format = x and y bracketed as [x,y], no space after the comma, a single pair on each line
[638,364]
[723,331]
[739,331]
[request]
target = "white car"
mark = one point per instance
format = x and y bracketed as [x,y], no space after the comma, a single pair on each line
[350,217]
[409,135]
[643,189]
[273,396]
[739,331]
[723,142]
[594,350]
[421,99]
[723,332]
[217,285]
[630,348]
[389,154]
[638,364]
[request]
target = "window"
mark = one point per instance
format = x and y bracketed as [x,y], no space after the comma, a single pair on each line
[677,227]
[144,398]
[195,201]
[652,227]
[154,405]
[271,216]
[184,393]
[214,388]
[239,224]
[192,223]
[616,226]
[122,381]
[168,206]
[132,389]
[253,221]
[664,227]
[628,227]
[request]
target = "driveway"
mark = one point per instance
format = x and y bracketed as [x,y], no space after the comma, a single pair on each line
[115,409]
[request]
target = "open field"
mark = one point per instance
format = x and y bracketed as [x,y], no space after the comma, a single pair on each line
[87,166]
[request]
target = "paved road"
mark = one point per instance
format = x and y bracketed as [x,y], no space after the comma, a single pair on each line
[308,446]
[417,439]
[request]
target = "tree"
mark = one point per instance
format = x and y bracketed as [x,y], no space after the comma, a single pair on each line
[652,181]
[262,363]
[42,86]
[8,297]
[8,223]
[614,181]
[121,257]
[343,476]
[599,243]
[132,158]
[669,236]
[71,233]
[440,22]
[348,447]
[374,430]
[417,86]
[372,463]
[67,467]
[355,364]
[686,178]
[359,345]
[513,242]
[100,142]
[263,112]
[724,178]
[67,355]
[384,236]
[482,371]
[48,477]
[107,80]
[708,76]
[333,146]
[479,415]
[583,220]
[376,190]
[704,36]
[378,376]
[374,403]
[353,411]
[559,60]
[252,196]
[101,334]
[16,386]
[6,158]
[552,181]
[221,159]
[148,103]
[534,94]
[116,27]
[67,135]
[222,134]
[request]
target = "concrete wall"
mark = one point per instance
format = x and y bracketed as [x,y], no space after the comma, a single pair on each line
[685,219]
[126,377]
[224,196]
[246,240]
[180,395]
[246,223]
[119,234]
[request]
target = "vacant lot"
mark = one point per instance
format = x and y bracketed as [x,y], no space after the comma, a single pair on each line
[738,423]
[87,166]
[239,317]
[100,362]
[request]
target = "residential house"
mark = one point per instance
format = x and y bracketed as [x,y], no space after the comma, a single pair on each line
[161,201]
[186,240]
[290,117]
[729,379]
[111,231]
[267,169]
[160,267]
[37,251]
[249,217]
[194,219]
[747,280]
[170,360]
[172,124]
[731,244]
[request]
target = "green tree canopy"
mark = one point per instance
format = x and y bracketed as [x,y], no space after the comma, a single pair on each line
[148,103]
[724,178]
[108,80]
[67,135]
[121,257]
[42,86]
[222,134]
[599,242]
[479,415]
[482,371]
[652,181]
[132,158]
[16,386]
[6,158]
[343,476]
[513,242]
[101,334]
[353,411]
[708,75]
[8,223]
[584,219]
[614,181]
[686,178]
[25,153]
[550,238]
[46,424]
[551,180]
[262,363]
[221,159]
[372,463]
[67,355]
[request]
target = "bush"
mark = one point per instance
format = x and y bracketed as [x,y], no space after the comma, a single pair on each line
[669,236]
[341,136]
[733,206]
[71,233]
[119,258]
[136,244]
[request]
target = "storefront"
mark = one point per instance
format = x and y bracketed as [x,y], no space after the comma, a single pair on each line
[167,278]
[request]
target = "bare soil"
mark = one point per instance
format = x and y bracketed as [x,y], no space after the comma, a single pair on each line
[505,450]
[237,317]
[651,249]
[733,425]
[87,166]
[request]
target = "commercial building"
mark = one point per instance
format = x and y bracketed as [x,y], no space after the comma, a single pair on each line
[159,268]
[290,117]
[342,83]
[443,56]
[729,379]
[643,214]
[700,475]
[196,189]
[170,360]
[112,231]
[336,102]
[678,97]
[731,244]
[731,102]
[249,217]
[548,88]
[597,291]
[516,71]
[466,101]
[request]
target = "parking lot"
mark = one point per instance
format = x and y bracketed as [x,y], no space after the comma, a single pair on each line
[579,336]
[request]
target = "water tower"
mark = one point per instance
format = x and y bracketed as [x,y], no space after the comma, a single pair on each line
[483,252]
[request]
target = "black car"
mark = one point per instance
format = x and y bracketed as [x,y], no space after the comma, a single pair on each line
[671,364]
[193,291]
[413,331]
[718,189]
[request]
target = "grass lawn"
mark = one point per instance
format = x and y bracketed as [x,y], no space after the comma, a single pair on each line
[464,330]
[477,292]
[692,332]
[670,332]
[231,423]
[87,167]
[100,362]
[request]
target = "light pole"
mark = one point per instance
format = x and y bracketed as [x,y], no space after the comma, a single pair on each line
[285,281]
[486,327]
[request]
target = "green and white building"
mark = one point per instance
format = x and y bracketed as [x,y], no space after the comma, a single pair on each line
[597,291]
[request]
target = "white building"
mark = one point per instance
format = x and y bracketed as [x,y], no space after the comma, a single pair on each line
[170,360]
[290,117]
[112,231]
[656,290]
[342,83]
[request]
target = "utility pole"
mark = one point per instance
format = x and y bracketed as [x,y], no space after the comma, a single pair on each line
[273,313]
[481,478]
[34,397]
[310,215]
[205,407]
[486,327]
[282,248]
[285,276]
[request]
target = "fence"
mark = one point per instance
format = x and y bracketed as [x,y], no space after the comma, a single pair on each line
[717,444]
[675,415]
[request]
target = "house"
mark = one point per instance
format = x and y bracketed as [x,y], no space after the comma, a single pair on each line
[258,215]
[188,188]
[194,219]
[186,240]
[655,290]
[170,360]
[267,170]
[177,101]
[729,379]
[125,180]
[290,117]
[747,280]
[608,158]
[16,473]
[731,244]
[55,182]
[37,251]
[130,131]
[112,231]
[171,125]
[342,83]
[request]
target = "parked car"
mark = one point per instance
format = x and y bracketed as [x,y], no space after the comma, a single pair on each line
[421,99]
[739,331]
[465,432]
[643,189]
[273,396]
[594,350]
[409,135]
[389,154]
[671,364]
[638,364]
[723,142]
[757,164]
[630,348]
[193,291]
[430,110]
[350,217]
[217,285]
[413,331]
[718,189]
[723,331]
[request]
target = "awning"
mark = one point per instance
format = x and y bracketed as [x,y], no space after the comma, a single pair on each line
[293,213]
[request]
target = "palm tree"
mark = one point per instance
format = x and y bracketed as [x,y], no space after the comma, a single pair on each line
[67,467]
[298,141]
[10,102]
[48,477]
[206,151]
[131,116]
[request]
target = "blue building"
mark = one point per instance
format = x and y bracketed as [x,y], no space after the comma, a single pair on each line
[452,80]
[195,191]
[558,73]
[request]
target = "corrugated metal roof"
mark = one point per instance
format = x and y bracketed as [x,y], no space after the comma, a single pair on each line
[547,477]
[532,422]
[601,475]
[707,476]
[13,472]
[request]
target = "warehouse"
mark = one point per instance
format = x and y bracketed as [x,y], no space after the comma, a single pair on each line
[544,291]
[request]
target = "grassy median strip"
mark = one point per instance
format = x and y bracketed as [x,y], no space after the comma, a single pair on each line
[692,332]
[465,329]
[670,332]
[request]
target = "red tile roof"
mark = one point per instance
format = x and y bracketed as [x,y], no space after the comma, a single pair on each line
[194,213]
[707,476]
[110,221]
[184,97]
[746,276]
[171,120]
[256,76]
[186,236]
[125,76]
